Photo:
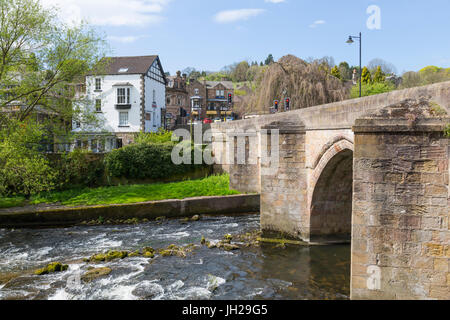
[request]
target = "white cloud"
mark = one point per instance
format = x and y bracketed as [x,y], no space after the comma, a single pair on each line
[126,39]
[236,15]
[110,12]
[275,1]
[317,23]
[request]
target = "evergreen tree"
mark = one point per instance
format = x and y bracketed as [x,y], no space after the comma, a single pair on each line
[335,72]
[269,60]
[379,75]
[366,76]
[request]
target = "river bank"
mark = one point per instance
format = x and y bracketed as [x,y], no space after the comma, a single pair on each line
[58,216]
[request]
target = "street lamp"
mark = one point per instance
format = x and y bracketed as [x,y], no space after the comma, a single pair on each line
[350,41]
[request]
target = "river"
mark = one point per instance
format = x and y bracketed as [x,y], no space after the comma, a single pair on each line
[255,273]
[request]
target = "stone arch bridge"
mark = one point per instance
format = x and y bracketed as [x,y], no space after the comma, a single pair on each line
[374,170]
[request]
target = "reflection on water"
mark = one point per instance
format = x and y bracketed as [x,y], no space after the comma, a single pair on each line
[316,272]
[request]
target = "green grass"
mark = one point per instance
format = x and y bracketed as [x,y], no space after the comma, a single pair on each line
[12,202]
[211,186]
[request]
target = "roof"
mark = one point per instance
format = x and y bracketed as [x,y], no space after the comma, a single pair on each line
[226,84]
[122,84]
[128,65]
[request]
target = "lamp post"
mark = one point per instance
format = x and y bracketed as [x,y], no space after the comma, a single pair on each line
[350,41]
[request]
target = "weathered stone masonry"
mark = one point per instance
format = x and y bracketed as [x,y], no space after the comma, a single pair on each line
[401,204]
[375,167]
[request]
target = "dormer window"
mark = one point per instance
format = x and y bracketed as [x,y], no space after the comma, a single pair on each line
[123,70]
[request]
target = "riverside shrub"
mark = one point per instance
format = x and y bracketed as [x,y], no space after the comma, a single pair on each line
[144,161]
[23,169]
[80,168]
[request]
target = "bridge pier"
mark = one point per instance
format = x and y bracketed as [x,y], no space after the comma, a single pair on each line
[400,227]
[284,184]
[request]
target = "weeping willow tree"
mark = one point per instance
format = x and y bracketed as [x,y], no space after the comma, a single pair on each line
[306,84]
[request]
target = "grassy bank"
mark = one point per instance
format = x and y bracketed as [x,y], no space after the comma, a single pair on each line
[211,186]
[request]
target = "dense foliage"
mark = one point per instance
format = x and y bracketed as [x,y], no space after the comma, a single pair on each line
[23,168]
[146,160]
[161,136]
[372,89]
[42,60]
[425,76]
[80,168]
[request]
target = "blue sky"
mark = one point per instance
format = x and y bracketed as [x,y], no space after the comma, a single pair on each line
[209,34]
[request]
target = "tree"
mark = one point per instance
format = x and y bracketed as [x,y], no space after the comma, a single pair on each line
[239,74]
[42,60]
[307,84]
[386,67]
[335,72]
[366,76]
[410,79]
[23,169]
[345,71]
[269,60]
[433,74]
[425,76]
[379,75]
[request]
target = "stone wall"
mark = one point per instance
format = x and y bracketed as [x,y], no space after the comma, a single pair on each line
[323,124]
[66,216]
[284,190]
[401,238]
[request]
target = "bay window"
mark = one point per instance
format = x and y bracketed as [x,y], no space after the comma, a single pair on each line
[123,95]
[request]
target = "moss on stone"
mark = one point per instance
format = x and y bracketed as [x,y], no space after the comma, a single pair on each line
[282,241]
[95,273]
[52,268]
[109,256]
[136,253]
[228,238]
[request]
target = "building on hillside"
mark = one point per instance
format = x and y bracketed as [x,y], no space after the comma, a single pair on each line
[128,97]
[210,99]
[177,99]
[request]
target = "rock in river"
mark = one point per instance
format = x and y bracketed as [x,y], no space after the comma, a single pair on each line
[52,268]
[95,274]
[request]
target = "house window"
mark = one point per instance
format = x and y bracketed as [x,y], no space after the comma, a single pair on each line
[196,91]
[98,105]
[98,84]
[123,95]
[123,119]
[168,100]
[148,116]
[154,96]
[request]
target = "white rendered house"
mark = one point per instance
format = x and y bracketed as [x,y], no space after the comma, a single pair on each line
[128,98]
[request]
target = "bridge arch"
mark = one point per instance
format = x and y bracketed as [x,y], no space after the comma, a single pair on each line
[330,201]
